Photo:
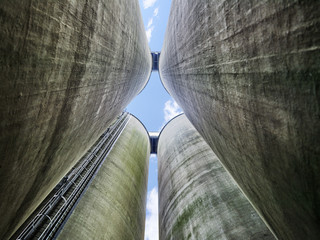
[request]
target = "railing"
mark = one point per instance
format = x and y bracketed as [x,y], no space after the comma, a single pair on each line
[49,221]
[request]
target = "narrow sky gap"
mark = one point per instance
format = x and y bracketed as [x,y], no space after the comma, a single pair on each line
[154,107]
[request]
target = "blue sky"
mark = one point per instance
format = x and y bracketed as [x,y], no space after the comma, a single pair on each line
[153,106]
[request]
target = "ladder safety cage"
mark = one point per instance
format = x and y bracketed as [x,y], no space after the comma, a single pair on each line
[50,219]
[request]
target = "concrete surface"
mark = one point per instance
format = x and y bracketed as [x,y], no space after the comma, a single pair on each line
[68,68]
[246,73]
[197,197]
[114,206]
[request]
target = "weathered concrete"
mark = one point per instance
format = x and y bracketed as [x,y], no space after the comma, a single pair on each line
[68,68]
[197,197]
[246,73]
[113,207]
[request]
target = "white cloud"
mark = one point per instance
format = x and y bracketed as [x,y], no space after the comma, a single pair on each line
[153,158]
[148,3]
[150,22]
[155,12]
[152,222]
[150,27]
[171,109]
[149,33]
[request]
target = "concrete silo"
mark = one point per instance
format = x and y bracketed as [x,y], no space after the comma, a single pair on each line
[68,68]
[246,74]
[113,207]
[197,197]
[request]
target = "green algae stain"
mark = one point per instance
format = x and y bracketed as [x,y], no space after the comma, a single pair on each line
[180,224]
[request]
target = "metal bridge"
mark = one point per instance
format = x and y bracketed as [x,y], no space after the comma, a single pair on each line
[153,142]
[155,61]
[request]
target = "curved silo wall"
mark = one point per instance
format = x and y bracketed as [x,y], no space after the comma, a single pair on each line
[246,74]
[68,68]
[113,207]
[197,197]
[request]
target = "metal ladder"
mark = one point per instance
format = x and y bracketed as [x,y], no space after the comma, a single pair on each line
[49,221]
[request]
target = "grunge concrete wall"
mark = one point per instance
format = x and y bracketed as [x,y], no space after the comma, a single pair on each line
[246,74]
[197,197]
[68,68]
[114,206]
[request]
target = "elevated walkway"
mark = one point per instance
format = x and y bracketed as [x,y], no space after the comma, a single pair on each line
[155,60]
[153,142]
